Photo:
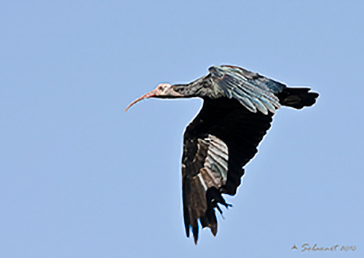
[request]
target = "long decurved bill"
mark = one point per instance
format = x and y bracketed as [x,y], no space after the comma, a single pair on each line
[145,96]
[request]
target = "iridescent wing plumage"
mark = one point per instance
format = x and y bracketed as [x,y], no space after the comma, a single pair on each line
[253,91]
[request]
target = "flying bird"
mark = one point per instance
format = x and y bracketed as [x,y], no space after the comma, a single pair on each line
[237,112]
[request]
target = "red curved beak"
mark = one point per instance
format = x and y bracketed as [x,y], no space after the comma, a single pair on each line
[163,90]
[145,96]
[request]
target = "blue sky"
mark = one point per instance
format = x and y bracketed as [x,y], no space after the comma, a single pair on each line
[81,178]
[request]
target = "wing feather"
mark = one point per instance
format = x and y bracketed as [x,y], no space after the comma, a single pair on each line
[217,144]
[253,91]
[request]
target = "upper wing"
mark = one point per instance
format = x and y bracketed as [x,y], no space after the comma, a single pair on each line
[253,91]
[217,144]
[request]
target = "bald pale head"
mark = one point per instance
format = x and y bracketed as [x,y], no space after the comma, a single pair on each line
[163,90]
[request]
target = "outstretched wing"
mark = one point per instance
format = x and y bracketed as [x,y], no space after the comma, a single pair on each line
[221,139]
[253,91]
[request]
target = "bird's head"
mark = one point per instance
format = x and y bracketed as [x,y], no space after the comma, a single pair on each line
[163,90]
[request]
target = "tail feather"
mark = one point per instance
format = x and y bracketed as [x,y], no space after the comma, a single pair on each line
[297,97]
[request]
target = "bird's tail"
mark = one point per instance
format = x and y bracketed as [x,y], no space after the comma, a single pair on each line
[297,97]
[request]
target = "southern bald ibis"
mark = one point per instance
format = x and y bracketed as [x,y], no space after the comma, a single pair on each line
[237,112]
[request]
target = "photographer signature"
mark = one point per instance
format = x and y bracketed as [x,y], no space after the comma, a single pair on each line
[306,247]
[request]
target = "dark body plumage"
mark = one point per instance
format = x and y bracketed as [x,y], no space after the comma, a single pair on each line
[236,114]
[237,128]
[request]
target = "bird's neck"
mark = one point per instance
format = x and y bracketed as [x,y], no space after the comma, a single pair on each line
[202,87]
[185,89]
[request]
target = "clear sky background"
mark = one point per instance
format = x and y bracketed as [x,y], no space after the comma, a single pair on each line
[81,178]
